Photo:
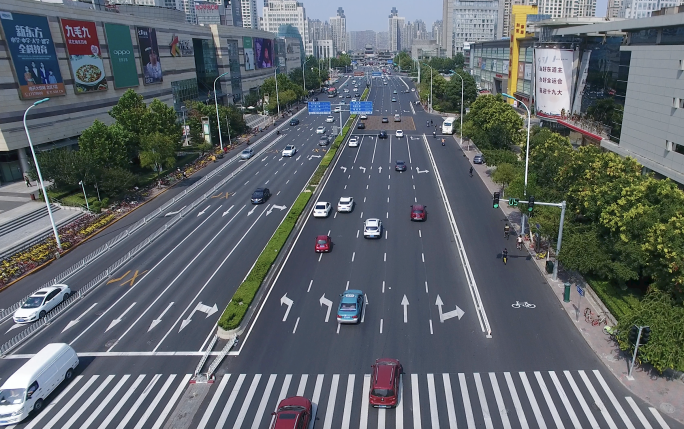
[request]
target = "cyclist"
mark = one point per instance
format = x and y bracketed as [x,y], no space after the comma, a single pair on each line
[519,242]
[430,121]
[427,123]
[507,231]
[442,142]
[471,171]
[434,134]
[504,256]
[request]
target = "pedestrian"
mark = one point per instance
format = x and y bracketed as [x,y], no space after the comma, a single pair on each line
[28,182]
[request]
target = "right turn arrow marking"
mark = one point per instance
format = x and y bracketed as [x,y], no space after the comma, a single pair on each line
[450,314]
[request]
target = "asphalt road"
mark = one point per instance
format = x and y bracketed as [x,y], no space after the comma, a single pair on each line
[534,371]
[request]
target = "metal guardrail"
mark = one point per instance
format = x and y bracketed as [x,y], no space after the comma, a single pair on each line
[202,361]
[214,365]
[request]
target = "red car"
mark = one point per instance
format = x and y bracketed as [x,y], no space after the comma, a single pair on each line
[418,212]
[292,413]
[384,391]
[323,244]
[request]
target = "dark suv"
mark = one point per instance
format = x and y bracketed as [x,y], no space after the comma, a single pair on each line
[260,195]
[382,134]
[294,121]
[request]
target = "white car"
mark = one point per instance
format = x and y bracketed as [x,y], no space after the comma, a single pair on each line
[338,109]
[362,117]
[413,89]
[320,130]
[289,150]
[346,204]
[322,209]
[399,133]
[346,90]
[372,228]
[330,119]
[354,141]
[353,100]
[247,153]
[41,302]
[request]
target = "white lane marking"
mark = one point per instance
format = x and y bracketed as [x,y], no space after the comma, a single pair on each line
[390,150]
[533,401]
[388,199]
[231,401]
[420,234]
[639,414]
[383,286]
[580,399]
[597,400]
[409,150]
[483,402]
[353,255]
[659,418]
[434,415]
[422,255]
[399,410]
[426,287]
[347,287]
[431,331]
[122,401]
[374,147]
[248,399]
[63,410]
[264,399]
[338,328]
[358,150]
[327,424]
[386,234]
[320,255]
[105,401]
[499,401]
[382,416]
[363,420]
[388,186]
[361,215]
[357,233]
[364,198]
[565,400]
[385,257]
[345,186]
[346,414]
[613,400]
[387,217]
[316,398]
[415,396]
[214,401]
[549,401]
[143,395]
[157,399]
[295,326]
[310,283]
[381,326]
[451,410]
[302,384]
[89,401]
[516,401]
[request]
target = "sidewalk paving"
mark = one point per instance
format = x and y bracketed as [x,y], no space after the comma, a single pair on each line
[662,392]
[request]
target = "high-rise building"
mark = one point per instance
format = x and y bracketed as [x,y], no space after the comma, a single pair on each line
[382,41]
[359,39]
[250,16]
[396,25]
[631,9]
[614,7]
[470,21]
[279,12]
[437,32]
[420,30]
[338,24]
[567,9]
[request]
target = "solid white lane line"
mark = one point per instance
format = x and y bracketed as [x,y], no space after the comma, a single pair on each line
[302,384]
[310,283]
[248,400]
[503,413]
[565,400]
[363,419]
[88,402]
[483,402]
[449,396]
[659,418]
[533,401]
[639,414]
[431,331]
[142,396]
[353,255]
[295,326]
[549,401]
[399,411]
[434,415]
[381,326]
[346,414]
[157,399]
[613,400]
[231,401]
[374,147]
[580,399]
[264,400]
[597,400]
[214,401]
[105,402]
[37,418]
[316,397]
[409,150]
[74,399]
[516,401]
[415,397]
[327,424]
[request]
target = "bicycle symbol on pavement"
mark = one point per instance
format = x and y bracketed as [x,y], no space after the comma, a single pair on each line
[525,304]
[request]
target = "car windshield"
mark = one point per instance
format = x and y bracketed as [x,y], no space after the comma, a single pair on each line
[257,194]
[417,212]
[12,396]
[322,241]
[245,152]
[400,162]
[348,306]
[383,393]
[320,206]
[33,302]
[372,228]
[287,416]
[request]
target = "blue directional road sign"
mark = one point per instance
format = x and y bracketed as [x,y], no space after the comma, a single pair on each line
[319,107]
[580,291]
[361,107]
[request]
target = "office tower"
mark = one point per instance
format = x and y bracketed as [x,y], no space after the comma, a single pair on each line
[395,27]
[567,9]
[382,41]
[250,16]
[338,24]
[279,12]
[642,8]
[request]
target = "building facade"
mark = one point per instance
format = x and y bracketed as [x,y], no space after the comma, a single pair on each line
[279,12]
[395,26]
[323,49]
[632,9]
[437,32]
[382,41]
[338,25]
[250,14]
[473,21]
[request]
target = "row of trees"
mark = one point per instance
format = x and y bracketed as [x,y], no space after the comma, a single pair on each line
[621,225]
[447,93]
[442,65]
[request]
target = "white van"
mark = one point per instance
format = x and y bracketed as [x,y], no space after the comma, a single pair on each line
[26,389]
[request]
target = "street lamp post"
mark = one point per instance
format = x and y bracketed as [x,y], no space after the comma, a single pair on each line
[218,121]
[275,72]
[527,152]
[84,194]
[185,131]
[431,71]
[40,176]
[462,85]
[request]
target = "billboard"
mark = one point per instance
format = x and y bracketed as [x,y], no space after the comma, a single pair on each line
[149,55]
[263,50]
[249,53]
[553,80]
[121,55]
[85,59]
[33,55]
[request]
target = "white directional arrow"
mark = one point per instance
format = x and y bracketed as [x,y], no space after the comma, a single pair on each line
[200,307]
[249,213]
[315,156]
[405,303]
[174,213]
[287,301]
[344,169]
[379,169]
[158,320]
[415,138]
[420,172]
[117,320]
[78,319]
[450,314]
[226,212]
[363,169]
[15,326]
[202,212]
[265,158]
[325,301]
[281,208]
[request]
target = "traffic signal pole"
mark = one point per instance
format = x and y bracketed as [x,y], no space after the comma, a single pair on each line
[646,338]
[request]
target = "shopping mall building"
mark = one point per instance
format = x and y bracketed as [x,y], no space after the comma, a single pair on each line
[85,59]
[561,67]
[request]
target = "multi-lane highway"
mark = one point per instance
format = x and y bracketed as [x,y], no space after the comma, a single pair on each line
[439,299]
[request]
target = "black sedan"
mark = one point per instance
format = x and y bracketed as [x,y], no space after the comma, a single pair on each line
[382,134]
[400,166]
[385,120]
[261,195]
[361,126]
[294,121]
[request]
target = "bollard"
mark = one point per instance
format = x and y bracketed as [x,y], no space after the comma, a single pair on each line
[566,292]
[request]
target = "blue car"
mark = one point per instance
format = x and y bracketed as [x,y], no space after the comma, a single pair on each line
[351,307]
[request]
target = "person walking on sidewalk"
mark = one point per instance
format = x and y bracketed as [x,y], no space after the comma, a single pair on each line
[28,181]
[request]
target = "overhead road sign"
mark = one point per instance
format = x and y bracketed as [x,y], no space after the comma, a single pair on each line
[319,107]
[361,107]
[377,74]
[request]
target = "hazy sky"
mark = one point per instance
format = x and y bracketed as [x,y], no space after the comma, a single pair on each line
[372,14]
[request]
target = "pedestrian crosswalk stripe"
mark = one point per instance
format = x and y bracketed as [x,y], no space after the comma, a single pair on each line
[283,391]
[432,395]
[533,401]
[155,402]
[639,414]
[167,409]
[46,410]
[214,401]
[123,400]
[302,385]
[105,402]
[516,400]
[565,400]
[503,413]
[74,399]
[549,402]
[231,401]
[348,397]
[248,399]
[483,402]
[451,410]
[399,424]
[658,417]
[580,398]
[87,403]
[315,399]
[264,399]
[597,400]
[416,401]
[139,401]
[363,422]
[613,400]
[331,402]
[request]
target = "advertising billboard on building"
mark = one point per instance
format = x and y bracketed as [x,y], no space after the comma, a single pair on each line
[553,80]
[121,55]
[83,48]
[149,55]
[249,53]
[263,51]
[34,59]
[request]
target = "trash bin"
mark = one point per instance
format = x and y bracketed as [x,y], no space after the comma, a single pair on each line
[33,196]
[549,267]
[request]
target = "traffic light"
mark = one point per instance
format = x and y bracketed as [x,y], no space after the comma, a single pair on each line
[496,200]
[633,334]
[645,335]
[530,204]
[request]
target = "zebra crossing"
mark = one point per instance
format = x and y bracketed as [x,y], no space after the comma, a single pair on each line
[538,399]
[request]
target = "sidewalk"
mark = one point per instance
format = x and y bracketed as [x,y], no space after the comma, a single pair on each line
[662,392]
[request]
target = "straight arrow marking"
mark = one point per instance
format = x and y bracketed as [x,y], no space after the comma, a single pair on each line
[326,301]
[229,209]
[287,301]
[158,320]
[117,320]
[78,319]
[203,211]
[405,303]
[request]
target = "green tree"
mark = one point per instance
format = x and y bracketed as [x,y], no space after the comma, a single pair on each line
[130,113]
[549,153]
[116,180]
[452,93]
[494,123]
[664,244]
[504,174]
[229,114]
[157,152]
[459,60]
[105,147]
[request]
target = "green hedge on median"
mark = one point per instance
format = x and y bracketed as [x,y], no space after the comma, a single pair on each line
[242,299]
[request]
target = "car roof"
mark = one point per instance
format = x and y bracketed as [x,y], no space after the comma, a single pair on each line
[346,198]
[290,145]
[322,202]
[384,375]
[249,149]
[372,221]
[321,237]
[350,295]
[417,207]
[400,161]
[47,290]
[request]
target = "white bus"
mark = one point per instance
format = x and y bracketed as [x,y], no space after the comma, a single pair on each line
[448,126]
